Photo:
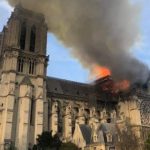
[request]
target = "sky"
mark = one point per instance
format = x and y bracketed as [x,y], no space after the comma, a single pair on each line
[63,65]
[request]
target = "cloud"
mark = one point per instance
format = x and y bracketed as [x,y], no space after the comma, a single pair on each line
[4,4]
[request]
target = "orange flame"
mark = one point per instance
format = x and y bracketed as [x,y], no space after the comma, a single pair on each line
[122,85]
[100,71]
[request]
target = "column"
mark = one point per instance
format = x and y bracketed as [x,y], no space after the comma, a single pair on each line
[39,106]
[68,123]
[23,120]
[54,118]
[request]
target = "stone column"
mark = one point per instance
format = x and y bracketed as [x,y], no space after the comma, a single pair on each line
[81,118]
[23,121]
[7,105]
[40,97]
[67,123]
[54,118]
[39,101]
[7,95]
[103,116]
[93,122]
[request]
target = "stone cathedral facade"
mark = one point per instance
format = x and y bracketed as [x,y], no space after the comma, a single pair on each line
[31,102]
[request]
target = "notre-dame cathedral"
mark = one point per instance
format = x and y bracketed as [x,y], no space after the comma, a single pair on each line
[31,102]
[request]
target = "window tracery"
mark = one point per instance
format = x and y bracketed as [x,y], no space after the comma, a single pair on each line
[20,65]
[31,66]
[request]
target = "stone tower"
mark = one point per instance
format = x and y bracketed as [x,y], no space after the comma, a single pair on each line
[23,73]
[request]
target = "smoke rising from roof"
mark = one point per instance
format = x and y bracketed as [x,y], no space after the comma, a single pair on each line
[97,32]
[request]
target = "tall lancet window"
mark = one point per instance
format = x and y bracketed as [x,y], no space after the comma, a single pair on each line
[23,36]
[32,38]
[32,112]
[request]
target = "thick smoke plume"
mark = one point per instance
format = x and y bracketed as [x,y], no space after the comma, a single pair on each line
[97,32]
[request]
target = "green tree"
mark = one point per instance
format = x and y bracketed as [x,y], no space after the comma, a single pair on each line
[46,141]
[68,146]
[147,143]
[56,142]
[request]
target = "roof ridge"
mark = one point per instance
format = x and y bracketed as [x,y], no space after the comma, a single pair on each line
[65,80]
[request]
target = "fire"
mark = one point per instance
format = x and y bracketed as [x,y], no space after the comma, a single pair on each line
[122,85]
[114,87]
[100,71]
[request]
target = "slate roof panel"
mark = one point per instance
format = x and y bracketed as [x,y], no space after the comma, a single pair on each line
[86,132]
[65,87]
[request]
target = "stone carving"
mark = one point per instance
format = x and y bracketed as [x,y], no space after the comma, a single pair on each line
[93,111]
[113,114]
[68,109]
[41,60]
[55,107]
[9,53]
[81,111]
[11,89]
[40,93]
[28,92]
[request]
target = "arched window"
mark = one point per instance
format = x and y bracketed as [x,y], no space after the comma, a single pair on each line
[31,66]
[32,39]
[32,112]
[23,36]
[20,65]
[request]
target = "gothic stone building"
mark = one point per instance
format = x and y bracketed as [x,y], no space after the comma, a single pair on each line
[31,102]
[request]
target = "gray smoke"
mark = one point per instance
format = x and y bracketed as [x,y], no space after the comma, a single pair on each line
[96,31]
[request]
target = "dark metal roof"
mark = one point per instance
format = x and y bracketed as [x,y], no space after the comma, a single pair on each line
[108,127]
[87,134]
[100,137]
[65,89]
[62,87]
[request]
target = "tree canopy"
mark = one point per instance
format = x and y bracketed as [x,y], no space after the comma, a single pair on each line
[46,141]
[68,146]
[147,143]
